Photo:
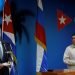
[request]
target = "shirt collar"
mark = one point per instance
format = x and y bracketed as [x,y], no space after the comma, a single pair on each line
[73,46]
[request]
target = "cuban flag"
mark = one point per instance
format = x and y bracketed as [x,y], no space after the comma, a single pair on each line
[62,19]
[40,38]
[8,33]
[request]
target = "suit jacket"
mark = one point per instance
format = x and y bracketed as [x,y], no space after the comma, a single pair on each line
[6,56]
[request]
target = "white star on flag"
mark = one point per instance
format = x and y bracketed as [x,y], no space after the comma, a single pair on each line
[7,19]
[62,20]
[40,5]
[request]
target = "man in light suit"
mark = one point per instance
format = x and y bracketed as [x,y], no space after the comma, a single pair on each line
[69,54]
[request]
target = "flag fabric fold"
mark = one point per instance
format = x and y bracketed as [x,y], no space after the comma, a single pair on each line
[8,33]
[40,38]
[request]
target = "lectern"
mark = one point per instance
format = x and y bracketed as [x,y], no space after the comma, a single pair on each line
[61,72]
[46,73]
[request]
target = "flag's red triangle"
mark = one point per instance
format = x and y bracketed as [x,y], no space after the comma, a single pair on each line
[63,19]
[7,21]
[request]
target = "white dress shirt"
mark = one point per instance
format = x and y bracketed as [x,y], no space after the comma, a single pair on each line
[69,57]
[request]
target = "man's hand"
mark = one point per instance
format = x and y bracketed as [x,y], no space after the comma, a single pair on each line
[7,64]
[71,64]
[1,66]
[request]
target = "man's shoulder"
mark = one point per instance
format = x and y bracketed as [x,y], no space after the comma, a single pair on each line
[4,42]
[69,46]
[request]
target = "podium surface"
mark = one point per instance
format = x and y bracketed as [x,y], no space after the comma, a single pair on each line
[61,72]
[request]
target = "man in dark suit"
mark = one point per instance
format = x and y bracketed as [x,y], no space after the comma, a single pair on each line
[5,57]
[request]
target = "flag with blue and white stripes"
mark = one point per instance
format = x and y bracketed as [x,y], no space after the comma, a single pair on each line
[8,34]
[40,38]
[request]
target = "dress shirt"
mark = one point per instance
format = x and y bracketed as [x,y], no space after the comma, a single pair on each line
[69,56]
